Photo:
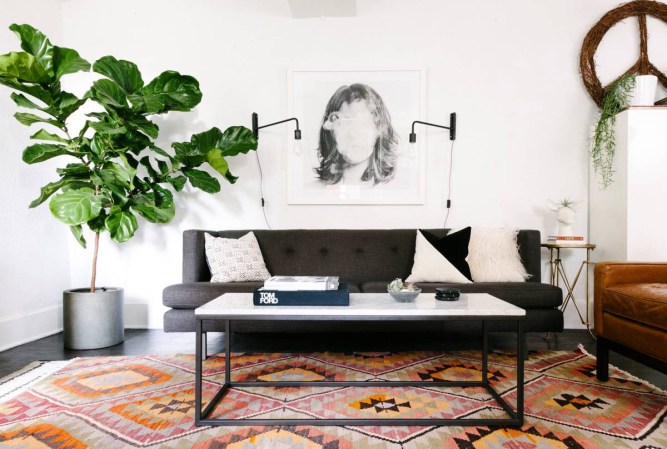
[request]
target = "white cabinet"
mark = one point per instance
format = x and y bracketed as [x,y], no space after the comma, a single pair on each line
[628,220]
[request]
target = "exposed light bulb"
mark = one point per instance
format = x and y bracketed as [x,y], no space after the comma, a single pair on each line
[412,150]
[298,149]
[412,146]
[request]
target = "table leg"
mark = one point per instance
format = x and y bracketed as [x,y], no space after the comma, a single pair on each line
[228,345]
[485,353]
[519,370]
[198,373]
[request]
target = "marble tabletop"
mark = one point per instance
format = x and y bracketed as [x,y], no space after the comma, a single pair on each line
[363,305]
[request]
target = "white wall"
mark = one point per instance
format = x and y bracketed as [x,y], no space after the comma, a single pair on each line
[34,262]
[509,69]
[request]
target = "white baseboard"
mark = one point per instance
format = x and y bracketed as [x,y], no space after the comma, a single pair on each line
[17,330]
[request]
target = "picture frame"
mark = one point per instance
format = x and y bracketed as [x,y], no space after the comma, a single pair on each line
[392,173]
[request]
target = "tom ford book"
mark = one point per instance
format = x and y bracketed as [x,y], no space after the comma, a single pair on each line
[266,297]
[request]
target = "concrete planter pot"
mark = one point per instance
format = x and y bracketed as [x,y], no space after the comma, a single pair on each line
[93,320]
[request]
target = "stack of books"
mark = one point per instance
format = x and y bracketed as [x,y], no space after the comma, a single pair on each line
[302,291]
[566,239]
[297,283]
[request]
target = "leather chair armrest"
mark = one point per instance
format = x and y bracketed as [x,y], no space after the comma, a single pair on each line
[613,273]
[610,273]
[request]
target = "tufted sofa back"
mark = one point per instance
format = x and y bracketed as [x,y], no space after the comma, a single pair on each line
[355,255]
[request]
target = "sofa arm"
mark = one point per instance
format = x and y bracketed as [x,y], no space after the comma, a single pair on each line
[611,273]
[608,274]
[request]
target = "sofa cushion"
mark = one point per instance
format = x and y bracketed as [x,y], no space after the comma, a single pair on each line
[493,256]
[527,295]
[191,295]
[643,302]
[430,265]
[454,247]
[235,260]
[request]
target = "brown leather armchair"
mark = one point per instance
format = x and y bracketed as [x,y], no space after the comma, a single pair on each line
[631,313]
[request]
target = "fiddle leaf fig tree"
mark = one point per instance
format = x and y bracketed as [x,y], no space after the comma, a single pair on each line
[113,171]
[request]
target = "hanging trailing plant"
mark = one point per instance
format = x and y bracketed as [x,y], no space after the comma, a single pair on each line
[604,141]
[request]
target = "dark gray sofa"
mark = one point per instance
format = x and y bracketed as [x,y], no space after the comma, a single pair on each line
[367,260]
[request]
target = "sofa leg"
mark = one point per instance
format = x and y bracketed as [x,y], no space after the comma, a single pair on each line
[602,365]
[204,348]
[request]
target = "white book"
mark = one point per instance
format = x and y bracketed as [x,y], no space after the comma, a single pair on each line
[294,283]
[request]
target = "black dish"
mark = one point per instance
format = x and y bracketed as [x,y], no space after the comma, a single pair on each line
[447,294]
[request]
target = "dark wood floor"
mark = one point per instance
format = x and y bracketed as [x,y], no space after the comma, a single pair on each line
[142,341]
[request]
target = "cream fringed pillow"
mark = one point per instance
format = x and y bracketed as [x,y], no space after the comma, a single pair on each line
[235,260]
[493,256]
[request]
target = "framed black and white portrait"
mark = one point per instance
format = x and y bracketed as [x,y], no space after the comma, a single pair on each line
[355,127]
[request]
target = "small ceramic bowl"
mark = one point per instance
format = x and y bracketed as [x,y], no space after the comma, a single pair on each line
[405,295]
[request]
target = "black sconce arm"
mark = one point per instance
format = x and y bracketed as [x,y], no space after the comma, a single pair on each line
[451,127]
[256,127]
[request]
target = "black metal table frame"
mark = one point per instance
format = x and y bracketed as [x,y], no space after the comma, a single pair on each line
[515,416]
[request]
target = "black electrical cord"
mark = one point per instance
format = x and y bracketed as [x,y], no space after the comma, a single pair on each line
[261,189]
[449,184]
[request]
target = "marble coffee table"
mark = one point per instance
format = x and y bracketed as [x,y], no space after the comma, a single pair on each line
[364,307]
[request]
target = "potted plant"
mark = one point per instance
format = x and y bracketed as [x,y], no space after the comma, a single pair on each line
[113,171]
[604,141]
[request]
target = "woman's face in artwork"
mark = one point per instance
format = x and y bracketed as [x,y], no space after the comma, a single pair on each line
[354,130]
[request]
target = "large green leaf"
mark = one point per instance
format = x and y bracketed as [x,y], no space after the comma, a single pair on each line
[162,166]
[107,181]
[77,232]
[66,60]
[215,145]
[231,178]
[30,119]
[178,182]
[146,162]
[237,139]
[35,90]
[170,91]
[109,128]
[125,73]
[163,197]
[145,206]
[217,161]
[202,143]
[40,152]
[23,102]
[97,224]
[35,43]
[21,67]
[78,170]
[98,146]
[186,154]
[65,104]
[121,225]
[202,180]
[43,135]
[47,191]
[75,206]
[144,125]
[108,94]
[122,176]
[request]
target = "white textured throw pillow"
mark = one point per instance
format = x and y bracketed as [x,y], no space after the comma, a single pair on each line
[493,256]
[235,260]
[431,266]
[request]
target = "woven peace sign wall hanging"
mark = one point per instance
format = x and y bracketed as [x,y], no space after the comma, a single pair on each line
[643,66]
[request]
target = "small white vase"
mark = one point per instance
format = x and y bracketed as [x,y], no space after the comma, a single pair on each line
[644,93]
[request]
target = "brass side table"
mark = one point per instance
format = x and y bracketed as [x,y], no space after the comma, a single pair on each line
[557,274]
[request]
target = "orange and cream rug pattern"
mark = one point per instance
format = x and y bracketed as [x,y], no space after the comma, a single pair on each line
[148,402]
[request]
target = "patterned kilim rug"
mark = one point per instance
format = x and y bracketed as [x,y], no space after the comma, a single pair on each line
[116,402]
